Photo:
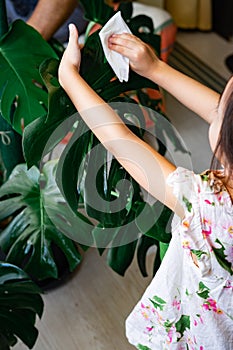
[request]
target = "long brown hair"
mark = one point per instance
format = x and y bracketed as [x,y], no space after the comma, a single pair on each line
[224,147]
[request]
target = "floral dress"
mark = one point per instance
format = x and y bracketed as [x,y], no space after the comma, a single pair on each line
[189,303]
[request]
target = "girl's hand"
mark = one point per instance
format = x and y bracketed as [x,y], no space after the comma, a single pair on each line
[71,58]
[142,58]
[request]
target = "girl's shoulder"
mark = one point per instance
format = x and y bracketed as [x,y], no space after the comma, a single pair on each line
[206,187]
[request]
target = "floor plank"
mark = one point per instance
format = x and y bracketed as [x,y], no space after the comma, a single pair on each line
[89,311]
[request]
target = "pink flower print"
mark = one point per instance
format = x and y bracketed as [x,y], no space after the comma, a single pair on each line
[144,311]
[149,329]
[229,254]
[228,285]
[206,306]
[170,335]
[219,196]
[199,319]
[207,229]
[209,202]
[143,306]
[210,304]
[176,304]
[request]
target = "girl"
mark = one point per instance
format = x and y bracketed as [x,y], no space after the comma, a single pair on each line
[189,303]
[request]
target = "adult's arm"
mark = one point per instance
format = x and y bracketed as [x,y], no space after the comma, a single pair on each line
[49,15]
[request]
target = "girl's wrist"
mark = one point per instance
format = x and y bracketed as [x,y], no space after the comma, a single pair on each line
[66,75]
[158,72]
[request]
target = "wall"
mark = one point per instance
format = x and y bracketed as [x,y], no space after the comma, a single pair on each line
[158,3]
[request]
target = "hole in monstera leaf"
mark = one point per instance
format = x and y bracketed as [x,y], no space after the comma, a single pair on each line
[14,105]
[144,29]
[113,79]
[37,84]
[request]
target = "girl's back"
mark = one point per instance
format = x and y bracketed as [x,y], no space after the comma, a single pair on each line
[189,304]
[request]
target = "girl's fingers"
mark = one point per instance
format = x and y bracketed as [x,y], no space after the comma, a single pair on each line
[121,49]
[73,33]
[72,52]
[127,36]
[126,40]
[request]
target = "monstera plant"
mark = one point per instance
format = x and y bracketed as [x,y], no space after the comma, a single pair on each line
[20,303]
[29,241]
[121,223]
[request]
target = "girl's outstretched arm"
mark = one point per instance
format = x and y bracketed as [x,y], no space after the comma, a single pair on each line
[143,60]
[140,160]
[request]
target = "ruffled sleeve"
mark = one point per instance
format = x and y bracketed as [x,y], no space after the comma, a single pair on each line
[187,187]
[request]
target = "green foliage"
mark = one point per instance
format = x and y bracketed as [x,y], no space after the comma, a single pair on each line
[10,148]
[23,97]
[20,302]
[97,11]
[38,134]
[203,291]
[120,211]
[182,325]
[3,18]
[221,258]
[28,239]
[158,302]
[142,347]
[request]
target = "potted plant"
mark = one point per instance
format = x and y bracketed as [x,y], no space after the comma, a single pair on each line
[20,303]
[49,109]
[28,240]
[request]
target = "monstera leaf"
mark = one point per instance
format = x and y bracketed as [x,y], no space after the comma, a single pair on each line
[40,136]
[33,202]
[97,11]
[23,98]
[84,173]
[98,74]
[20,302]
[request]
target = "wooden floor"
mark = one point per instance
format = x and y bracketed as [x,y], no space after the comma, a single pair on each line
[88,312]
